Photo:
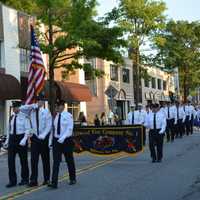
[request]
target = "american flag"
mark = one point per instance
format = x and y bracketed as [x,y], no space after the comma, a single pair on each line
[36,76]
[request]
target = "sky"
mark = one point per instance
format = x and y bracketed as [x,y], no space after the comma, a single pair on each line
[177,9]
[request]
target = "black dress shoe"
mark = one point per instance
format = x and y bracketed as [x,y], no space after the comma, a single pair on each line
[9,185]
[52,185]
[32,184]
[23,183]
[159,161]
[72,182]
[46,183]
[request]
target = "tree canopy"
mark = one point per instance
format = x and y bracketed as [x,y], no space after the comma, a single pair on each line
[141,20]
[179,47]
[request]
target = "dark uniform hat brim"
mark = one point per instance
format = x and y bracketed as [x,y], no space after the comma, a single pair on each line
[40,97]
[16,104]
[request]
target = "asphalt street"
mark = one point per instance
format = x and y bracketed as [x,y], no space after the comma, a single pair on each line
[123,177]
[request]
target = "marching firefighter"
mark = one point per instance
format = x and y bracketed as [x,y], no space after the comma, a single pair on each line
[170,113]
[63,144]
[180,114]
[16,142]
[156,122]
[41,121]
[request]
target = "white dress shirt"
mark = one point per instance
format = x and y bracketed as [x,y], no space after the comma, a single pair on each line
[44,118]
[22,127]
[160,121]
[192,111]
[172,114]
[129,119]
[66,126]
[181,114]
[140,116]
[187,110]
[22,124]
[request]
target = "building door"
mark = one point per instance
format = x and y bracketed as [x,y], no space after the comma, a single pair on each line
[121,110]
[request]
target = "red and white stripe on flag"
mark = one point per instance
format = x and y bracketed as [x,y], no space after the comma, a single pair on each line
[37,72]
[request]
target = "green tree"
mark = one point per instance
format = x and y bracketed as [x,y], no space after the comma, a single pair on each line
[141,20]
[71,24]
[179,47]
[23,5]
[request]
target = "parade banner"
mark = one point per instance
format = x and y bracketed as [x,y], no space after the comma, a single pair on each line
[108,140]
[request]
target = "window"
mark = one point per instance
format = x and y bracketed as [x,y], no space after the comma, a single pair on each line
[164,85]
[153,82]
[92,84]
[74,109]
[159,84]
[125,75]
[24,59]
[146,82]
[113,72]
[90,81]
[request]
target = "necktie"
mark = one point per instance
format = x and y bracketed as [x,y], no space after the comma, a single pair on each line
[177,112]
[37,120]
[58,124]
[154,121]
[15,125]
[168,112]
[133,117]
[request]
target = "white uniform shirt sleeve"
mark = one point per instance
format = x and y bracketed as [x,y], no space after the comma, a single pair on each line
[163,123]
[66,128]
[48,124]
[129,120]
[146,122]
[27,126]
[183,115]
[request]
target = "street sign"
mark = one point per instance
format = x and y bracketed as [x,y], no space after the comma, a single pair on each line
[111,91]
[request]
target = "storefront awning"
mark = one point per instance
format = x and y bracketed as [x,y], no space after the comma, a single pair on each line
[73,92]
[9,87]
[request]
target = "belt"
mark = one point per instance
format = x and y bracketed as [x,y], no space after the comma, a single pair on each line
[155,129]
[17,134]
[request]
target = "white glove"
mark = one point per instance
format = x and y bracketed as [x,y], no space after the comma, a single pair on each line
[41,136]
[61,140]
[160,132]
[5,145]
[23,141]
[50,145]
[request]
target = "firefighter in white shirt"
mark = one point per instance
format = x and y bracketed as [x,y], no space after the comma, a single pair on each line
[131,115]
[188,117]
[156,122]
[140,116]
[17,135]
[193,116]
[63,144]
[180,114]
[170,113]
[41,121]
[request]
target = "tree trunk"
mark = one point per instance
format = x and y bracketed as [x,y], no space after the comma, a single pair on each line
[136,75]
[185,83]
[51,67]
